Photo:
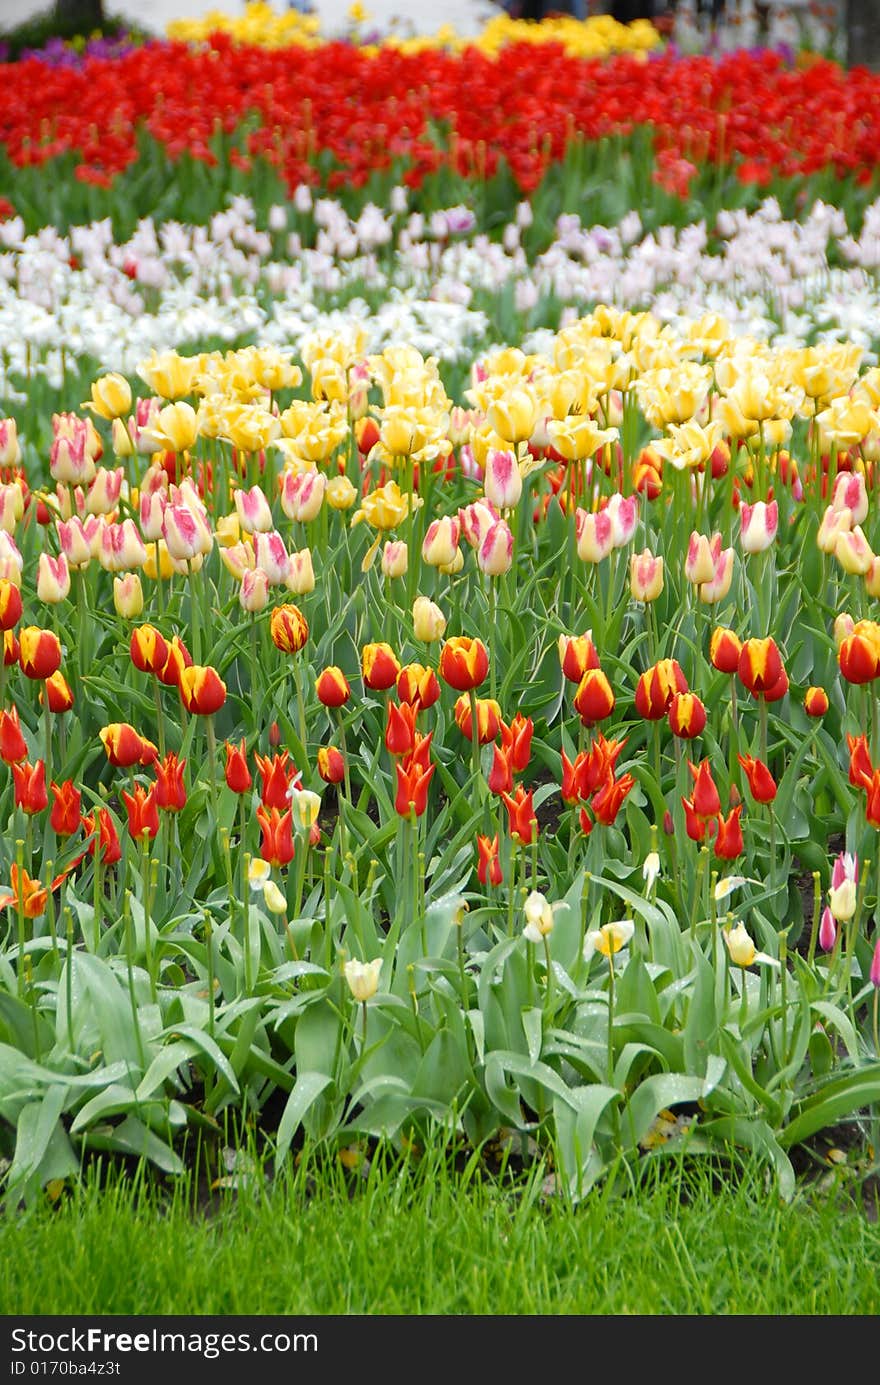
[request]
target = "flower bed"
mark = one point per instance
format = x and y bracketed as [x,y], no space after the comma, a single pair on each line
[505,760]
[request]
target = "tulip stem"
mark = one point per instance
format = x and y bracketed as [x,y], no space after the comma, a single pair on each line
[493,642]
[19,909]
[246,935]
[300,705]
[302,856]
[68,977]
[148,942]
[194,613]
[212,768]
[47,732]
[97,892]
[814,928]
[875,1026]
[160,721]
[549,966]
[611,1020]
[475,736]
[131,991]
[160,601]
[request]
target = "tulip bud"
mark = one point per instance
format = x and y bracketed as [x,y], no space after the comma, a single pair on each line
[123,447]
[758,526]
[10,604]
[577,653]
[300,573]
[699,564]
[111,397]
[624,514]
[331,765]
[53,579]
[152,508]
[686,715]
[827,931]
[332,687]
[429,622]
[395,558]
[252,510]
[379,667]
[289,628]
[340,493]
[595,535]
[302,494]
[128,596]
[202,690]
[495,554]
[362,978]
[253,594]
[645,576]
[843,626]
[815,702]
[441,541]
[238,776]
[58,693]
[502,481]
[850,493]
[464,663]
[724,650]
[834,523]
[712,592]
[271,555]
[853,552]
[39,652]
[11,507]
[104,492]
[594,699]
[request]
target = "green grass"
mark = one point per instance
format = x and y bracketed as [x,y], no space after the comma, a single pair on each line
[419,1240]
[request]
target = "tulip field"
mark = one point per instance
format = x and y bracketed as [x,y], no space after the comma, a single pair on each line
[439,576]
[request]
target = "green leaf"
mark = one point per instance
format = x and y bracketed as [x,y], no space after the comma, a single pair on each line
[307,1088]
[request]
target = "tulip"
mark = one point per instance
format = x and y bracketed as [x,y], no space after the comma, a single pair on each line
[861,770]
[854,553]
[300,573]
[464,663]
[289,628]
[418,686]
[400,732]
[271,555]
[202,690]
[27,894]
[827,930]
[11,561]
[729,838]
[148,649]
[362,978]
[758,526]
[30,787]
[429,622]
[331,765]
[724,650]
[64,818]
[495,553]
[276,779]
[595,535]
[501,774]
[111,397]
[185,532]
[413,781]
[488,718]
[699,564]
[834,523]
[710,593]
[476,521]
[687,716]
[128,596]
[174,428]
[253,594]
[850,493]
[11,650]
[516,740]
[238,776]
[651,867]
[607,802]
[577,654]
[761,782]
[104,492]
[252,509]
[608,940]
[10,604]
[302,495]
[645,576]
[108,841]
[170,789]
[13,746]
[656,688]
[53,579]
[859,653]
[340,493]
[143,813]
[10,450]
[842,895]
[379,667]
[706,801]
[441,541]
[594,699]
[572,787]
[512,416]
[760,666]
[276,846]
[11,507]
[332,687]
[522,822]
[539,917]
[39,652]
[502,479]
[395,558]
[74,542]
[58,694]
[304,807]
[124,747]
[121,547]
[488,867]
[741,948]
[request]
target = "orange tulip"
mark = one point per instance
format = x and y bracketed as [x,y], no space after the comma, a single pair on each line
[332,687]
[39,652]
[202,690]
[379,667]
[594,699]
[125,747]
[464,663]
[760,666]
